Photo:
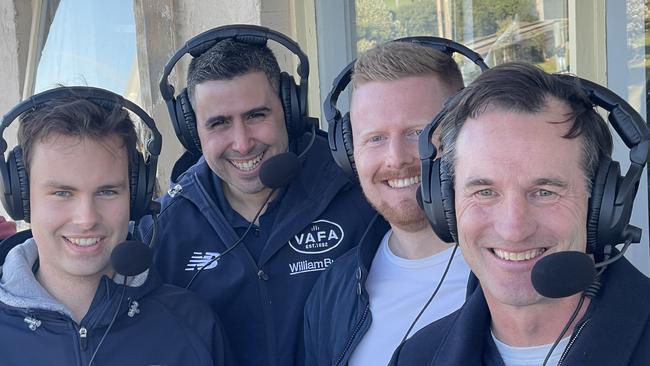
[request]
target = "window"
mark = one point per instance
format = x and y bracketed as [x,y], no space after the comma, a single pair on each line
[89,43]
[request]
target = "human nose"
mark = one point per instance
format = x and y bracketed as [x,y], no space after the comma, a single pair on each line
[87,213]
[514,220]
[399,153]
[241,138]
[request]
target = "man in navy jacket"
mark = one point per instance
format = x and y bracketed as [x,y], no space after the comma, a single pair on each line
[534,183]
[61,300]
[259,288]
[362,307]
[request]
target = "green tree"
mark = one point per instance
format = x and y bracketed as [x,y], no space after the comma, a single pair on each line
[418,18]
[375,24]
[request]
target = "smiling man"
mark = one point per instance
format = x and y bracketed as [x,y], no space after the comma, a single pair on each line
[60,296]
[259,289]
[524,148]
[361,308]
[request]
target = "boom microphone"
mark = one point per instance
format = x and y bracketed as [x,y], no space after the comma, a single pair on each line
[279,170]
[130,258]
[563,274]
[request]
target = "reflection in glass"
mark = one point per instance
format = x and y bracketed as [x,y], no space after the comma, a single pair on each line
[500,30]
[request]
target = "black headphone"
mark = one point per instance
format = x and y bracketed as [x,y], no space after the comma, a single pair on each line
[612,195]
[339,130]
[142,174]
[292,96]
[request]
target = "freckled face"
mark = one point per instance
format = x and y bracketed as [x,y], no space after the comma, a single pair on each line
[386,118]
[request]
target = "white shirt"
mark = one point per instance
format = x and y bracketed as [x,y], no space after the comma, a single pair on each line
[530,356]
[398,289]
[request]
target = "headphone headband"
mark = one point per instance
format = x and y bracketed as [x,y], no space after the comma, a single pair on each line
[612,194]
[96,95]
[142,174]
[447,46]
[247,33]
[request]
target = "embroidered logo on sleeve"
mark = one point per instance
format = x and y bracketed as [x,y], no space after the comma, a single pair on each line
[200,259]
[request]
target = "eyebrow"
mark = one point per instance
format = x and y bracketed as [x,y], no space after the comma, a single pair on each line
[551,182]
[257,110]
[65,187]
[480,182]
[222,117]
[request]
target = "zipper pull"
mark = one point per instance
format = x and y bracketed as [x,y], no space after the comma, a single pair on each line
[262,275]
[32,323]
[175,190]
[83,338]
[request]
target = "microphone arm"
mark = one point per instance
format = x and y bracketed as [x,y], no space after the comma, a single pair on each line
[241,238]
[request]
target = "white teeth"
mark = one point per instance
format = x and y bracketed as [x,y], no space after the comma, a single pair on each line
[518,256]
[84,242]
[247,165]
[403,182]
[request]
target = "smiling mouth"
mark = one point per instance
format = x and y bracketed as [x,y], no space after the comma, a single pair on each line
[518,256]
[83,242]
[247,165]
[403,182]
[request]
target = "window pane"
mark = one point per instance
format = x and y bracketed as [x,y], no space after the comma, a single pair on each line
[500,30]
[90,43]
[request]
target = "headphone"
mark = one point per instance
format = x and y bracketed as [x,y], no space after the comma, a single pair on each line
[612,195]
[293,97]
[339,130]
[142,173]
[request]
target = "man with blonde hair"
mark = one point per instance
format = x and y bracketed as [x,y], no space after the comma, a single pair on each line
[363,305]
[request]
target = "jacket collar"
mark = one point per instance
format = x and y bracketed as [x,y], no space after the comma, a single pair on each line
[367,248]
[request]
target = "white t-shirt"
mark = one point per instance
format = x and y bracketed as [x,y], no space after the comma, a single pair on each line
[530,356]
[398,289]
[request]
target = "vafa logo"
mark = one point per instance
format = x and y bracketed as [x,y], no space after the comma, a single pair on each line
[320,237]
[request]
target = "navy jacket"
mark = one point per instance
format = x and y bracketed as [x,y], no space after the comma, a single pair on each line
[320,216]
[337,313]
[614,332]
[156,324]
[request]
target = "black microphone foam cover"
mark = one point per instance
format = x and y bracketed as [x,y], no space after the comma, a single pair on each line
[563,274]
[130,258]
[279,170]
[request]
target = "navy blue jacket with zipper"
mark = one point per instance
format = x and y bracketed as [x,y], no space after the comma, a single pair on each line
[320,216]
[337,313]
[156,324]
[615,330]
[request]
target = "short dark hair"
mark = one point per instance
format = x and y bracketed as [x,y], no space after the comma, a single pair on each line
[228,59]
[396,60]
[523,87]
[75,117]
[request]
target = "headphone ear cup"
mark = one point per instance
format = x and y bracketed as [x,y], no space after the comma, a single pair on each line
[291,107]
[448,196]
[138,187]
[348,143]
[339,133]
[440,211]
[19,186]
[601,202]
[185,124]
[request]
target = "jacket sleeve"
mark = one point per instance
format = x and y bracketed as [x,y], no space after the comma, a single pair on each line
[144,229]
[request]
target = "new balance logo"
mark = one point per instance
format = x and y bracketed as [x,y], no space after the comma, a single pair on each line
[200,259]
